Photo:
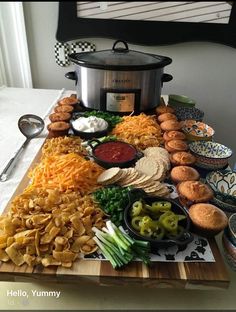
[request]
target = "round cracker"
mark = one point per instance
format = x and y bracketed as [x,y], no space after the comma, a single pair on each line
[163,160]
[108,175]
[142,178]
[163,192]
[123,175]
[159,188]
[147,165]
[160,172]
[152,151]
[130,179]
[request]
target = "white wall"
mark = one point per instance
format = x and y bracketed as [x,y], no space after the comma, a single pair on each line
[204,71]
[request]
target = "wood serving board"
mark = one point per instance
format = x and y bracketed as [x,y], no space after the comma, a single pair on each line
[194,275]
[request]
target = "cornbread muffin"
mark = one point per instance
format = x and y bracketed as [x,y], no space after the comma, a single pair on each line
[59,117]
[170,125]
[176,146]
[174,135]
[164,109]
[184,173]
[182,159]
[208,220]
[64,109]
[68,101]
[192,192]
[59,128]
[165,117]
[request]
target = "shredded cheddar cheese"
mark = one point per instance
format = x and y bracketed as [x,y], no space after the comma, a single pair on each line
[69,171]
[142,131]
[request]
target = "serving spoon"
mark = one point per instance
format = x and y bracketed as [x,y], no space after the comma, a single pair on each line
[30,126]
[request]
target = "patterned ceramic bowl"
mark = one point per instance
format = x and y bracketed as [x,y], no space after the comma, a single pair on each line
[210,155]
[232,229]
[230,260]
[227,207]
[196,130]
[184,113]
[229,250]
[223,182]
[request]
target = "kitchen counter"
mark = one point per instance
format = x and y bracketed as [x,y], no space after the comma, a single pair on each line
[41,295]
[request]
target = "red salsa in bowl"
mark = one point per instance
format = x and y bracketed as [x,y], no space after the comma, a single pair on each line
[114,153]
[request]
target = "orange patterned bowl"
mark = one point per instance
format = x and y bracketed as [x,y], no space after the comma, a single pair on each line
[197,130]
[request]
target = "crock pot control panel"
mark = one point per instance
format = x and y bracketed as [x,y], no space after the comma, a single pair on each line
[120,100]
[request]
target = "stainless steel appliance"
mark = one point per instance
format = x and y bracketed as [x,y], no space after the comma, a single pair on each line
[119,80]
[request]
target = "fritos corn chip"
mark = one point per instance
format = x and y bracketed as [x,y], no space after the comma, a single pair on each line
[62,145]
[51,227]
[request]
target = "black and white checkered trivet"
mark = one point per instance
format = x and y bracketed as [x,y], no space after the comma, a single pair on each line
[82,46]
[61,51]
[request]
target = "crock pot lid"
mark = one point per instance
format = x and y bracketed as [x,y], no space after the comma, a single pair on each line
[119,57]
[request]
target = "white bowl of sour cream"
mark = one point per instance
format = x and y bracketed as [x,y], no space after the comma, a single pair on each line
[90,127]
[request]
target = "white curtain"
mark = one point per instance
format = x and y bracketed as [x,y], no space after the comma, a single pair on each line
[14,55]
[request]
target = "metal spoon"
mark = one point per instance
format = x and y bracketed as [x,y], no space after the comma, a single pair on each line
[30,126]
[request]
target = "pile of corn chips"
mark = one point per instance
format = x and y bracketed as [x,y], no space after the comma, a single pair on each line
[63,145]
[49,227]
[51,222]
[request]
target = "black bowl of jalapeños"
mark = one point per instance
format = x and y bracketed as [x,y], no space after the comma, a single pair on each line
[114,154]
[180,238]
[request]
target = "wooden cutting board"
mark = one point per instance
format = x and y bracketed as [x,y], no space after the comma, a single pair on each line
[199,275]
[196,275]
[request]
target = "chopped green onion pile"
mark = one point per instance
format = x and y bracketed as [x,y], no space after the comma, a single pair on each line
[118,247]
[112,200]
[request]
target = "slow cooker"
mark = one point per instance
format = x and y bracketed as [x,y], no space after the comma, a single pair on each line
[119,80]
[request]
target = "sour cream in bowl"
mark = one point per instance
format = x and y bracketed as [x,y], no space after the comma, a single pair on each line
[90,127]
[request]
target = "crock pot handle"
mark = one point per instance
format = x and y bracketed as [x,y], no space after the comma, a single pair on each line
[72,76]
[120,50]
[166,77]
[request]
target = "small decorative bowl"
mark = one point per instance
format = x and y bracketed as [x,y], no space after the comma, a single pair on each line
[223,184]
[197,130]
[227,207]
[231,262]
[232,229]
[210,155]
[230,248]
[176,100]
[185,113]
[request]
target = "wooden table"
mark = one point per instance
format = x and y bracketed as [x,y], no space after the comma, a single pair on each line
[198,275]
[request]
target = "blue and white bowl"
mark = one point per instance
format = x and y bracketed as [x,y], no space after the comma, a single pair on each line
[223,183]
[184,113]
[229,250]
[232,229]
[210,155]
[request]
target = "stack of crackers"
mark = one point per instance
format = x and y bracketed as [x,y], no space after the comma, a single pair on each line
[132,177]
[155,163]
